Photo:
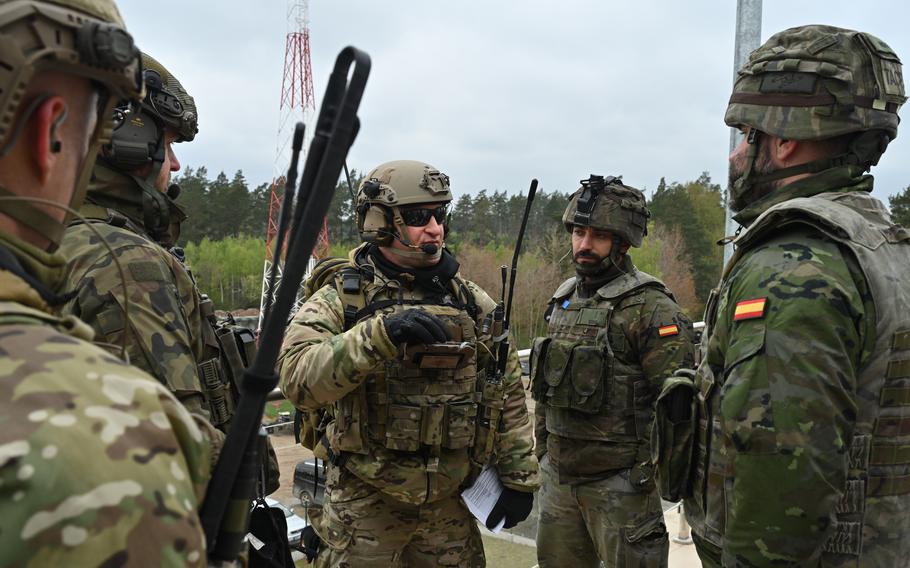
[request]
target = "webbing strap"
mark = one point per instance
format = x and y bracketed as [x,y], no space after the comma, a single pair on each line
[901,340]
[883,486]
[824,99]
[899,369]
[895,396]
[892,426]
[889,454]
[852,499]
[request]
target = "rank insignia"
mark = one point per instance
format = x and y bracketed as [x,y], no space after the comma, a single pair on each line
[750,309]
[668,330]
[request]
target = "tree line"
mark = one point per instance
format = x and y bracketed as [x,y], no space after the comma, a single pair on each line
[224,238]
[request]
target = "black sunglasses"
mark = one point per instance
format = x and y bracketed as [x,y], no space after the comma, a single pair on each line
[418,217]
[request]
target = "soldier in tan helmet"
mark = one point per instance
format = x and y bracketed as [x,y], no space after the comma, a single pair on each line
[99,464]
[392,351]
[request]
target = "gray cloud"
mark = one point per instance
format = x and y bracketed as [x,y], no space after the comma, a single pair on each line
[493,93]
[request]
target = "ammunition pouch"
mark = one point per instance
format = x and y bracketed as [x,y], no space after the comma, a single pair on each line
[673,438]
[569,375]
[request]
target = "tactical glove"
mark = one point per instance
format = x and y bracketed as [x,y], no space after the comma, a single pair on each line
[309,543]
[415,326]
[514,506]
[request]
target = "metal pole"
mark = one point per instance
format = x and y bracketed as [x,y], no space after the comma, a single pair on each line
[748,38]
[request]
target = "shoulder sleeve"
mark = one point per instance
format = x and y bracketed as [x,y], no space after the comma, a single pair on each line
[319,362]
[660,333]
[160,340]
[788,338]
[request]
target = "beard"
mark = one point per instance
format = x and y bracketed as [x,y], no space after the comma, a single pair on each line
[589,268]
[755,191]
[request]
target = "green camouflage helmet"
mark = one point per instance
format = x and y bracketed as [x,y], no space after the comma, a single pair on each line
[392,185]
[609,205]
[168,100]
[815,82]
[85,38]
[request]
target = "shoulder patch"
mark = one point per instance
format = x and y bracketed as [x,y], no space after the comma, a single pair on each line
[668,330]
[145,271]
[750,309]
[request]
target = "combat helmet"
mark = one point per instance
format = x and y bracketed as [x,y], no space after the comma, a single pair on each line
[79,37]
[607,204]
[140,140]
[387,189]
[816,82]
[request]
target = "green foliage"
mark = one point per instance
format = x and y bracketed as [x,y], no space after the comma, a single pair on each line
[900,207]
[695,208]
[229,270]
[220,207]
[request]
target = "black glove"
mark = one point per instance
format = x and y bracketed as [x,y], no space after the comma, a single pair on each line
[415,326]
[309,543]
[514,506]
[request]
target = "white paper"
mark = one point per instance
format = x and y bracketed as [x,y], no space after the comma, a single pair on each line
[481,497]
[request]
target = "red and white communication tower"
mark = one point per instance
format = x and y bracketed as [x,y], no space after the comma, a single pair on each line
[298,103]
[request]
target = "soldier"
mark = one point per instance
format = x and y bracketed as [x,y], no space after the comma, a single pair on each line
[399,348]
[615,334]
[131,203]
[804,386]
[99,464]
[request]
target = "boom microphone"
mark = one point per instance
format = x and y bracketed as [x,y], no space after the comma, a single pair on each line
[429,248]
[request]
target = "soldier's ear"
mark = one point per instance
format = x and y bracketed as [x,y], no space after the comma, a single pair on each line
[42,135]
[786,152]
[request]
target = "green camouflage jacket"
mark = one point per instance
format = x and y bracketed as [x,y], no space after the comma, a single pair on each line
[99,464]
[321,363]
[795,438]
[641,337]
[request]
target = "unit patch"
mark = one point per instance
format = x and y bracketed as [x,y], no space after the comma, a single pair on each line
[750,309]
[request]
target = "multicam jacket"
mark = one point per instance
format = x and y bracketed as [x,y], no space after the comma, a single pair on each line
[99,464]
[415,431]
[804,385]
[596,375]
[172,336]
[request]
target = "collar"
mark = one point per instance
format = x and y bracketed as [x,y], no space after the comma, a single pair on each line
[116,190]
[30,275]
[434,278]
[839,179]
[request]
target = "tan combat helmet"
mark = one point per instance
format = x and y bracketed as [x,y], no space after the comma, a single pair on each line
[817,82]
[389,187]
[80,37]
[606,204]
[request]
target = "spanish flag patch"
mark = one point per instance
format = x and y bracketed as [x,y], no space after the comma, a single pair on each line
[668,330]
[750,309]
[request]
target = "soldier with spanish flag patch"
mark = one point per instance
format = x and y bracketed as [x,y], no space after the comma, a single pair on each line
[803,391]
[615,334]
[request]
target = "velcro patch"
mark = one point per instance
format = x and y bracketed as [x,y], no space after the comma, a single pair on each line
[796,82]
[750,309]
[668,330]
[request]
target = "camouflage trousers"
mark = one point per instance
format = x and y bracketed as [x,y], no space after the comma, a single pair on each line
[607,520]
[362,528]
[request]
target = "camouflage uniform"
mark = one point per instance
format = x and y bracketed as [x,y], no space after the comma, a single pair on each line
[172,335]
[611,343]
[404,440]
[802,406]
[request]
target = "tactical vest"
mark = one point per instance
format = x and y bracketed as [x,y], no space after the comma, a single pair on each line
[593,391]
[872,526]
[428,398]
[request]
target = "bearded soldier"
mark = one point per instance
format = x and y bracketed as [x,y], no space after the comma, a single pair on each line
[170,330]
[803,392]
[99,464]
[398,348]
[615,334]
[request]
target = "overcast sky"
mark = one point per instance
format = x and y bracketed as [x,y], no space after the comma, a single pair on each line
[494,93]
